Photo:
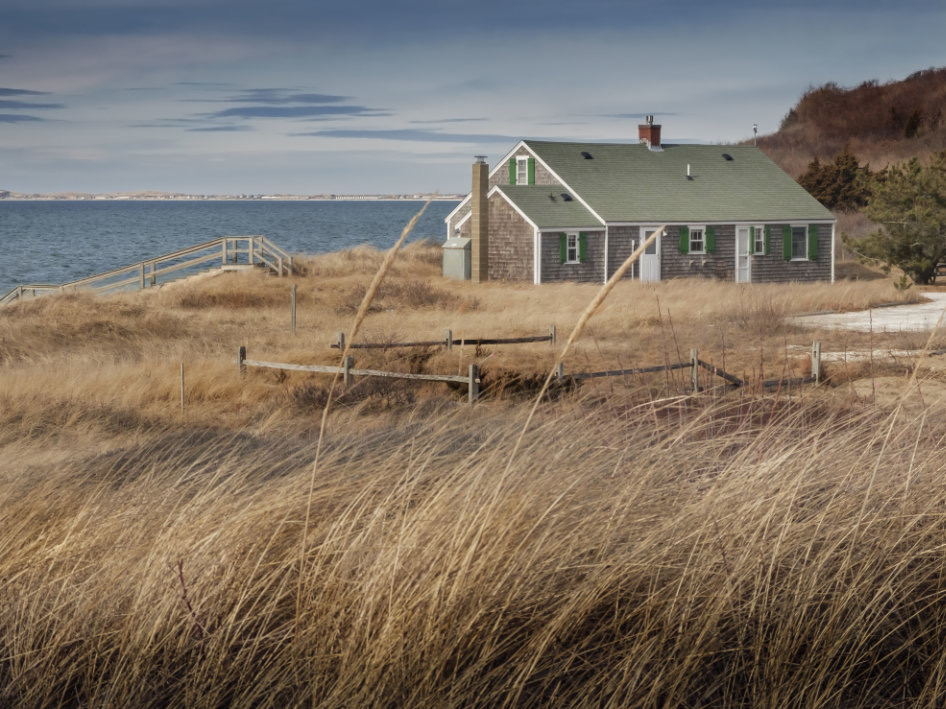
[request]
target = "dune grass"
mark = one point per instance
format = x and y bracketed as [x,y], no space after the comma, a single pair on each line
[643,547]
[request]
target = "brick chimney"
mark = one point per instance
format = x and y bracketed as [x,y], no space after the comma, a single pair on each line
[479,221]
[648,133]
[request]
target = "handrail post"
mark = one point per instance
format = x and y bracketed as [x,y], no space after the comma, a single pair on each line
[249,246]
[142,275]
[223,255]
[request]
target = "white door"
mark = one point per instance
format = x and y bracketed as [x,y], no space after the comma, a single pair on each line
[650,259]
[743,255]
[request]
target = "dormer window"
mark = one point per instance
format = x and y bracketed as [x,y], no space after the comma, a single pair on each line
[521,170]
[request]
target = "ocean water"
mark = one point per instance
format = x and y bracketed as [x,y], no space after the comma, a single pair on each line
[60,241]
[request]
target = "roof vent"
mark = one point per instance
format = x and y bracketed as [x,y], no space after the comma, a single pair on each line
[566,197]
[586,155]
[727,157]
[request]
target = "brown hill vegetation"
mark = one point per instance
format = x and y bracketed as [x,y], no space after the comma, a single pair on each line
[881,124]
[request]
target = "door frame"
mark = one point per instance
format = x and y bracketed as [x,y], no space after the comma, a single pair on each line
[749,246]
[657,256]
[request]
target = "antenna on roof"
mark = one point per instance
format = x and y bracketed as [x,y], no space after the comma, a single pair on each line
[755,133]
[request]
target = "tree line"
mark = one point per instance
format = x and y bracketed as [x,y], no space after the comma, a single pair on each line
[907,202]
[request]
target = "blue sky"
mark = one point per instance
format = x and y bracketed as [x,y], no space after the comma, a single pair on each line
[366,96]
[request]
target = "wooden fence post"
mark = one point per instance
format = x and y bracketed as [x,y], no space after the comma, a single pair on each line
[560,371]
[223,256]
[816,361]
[340,341]
[142,274]
[242,360]
[552,334]
[474,383]
[694,370]
[349,364]
[293,326]
[448,339]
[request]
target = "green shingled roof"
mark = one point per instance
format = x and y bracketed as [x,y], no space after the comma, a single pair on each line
[626,182]
[548,209]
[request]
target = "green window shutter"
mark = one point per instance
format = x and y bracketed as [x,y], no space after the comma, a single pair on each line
[752,240]
[512,170]
[787,242]
[582,247]
[562,247]
[767,236]
[813,242]
[531,168]
[684,240]
[710,240]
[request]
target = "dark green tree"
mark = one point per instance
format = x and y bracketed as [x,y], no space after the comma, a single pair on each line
[842,184]
[909,204]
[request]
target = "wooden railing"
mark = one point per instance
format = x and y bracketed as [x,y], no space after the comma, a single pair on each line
[227,251]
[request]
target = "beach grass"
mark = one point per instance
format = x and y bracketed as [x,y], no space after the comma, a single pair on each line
[633,545]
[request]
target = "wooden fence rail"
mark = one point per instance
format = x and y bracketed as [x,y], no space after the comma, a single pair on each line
[347,370]
[472,380]
[448,341]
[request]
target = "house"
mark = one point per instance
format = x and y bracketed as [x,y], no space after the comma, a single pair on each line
[574,211]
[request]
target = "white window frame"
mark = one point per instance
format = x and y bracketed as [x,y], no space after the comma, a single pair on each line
[758,243]
[522,169]
[804,230]
[702,240]
[572,245]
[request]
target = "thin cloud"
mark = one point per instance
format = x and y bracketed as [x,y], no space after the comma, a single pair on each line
[18,118]
[220,129]
[284,96]
[412,134]
[21,92]
[449,120]
[295,112]
[24,105]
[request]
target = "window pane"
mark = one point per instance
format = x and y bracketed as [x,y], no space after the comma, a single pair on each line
[522,171]
[799,242]
[696,241]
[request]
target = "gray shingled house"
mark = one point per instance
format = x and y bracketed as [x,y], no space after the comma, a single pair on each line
[554,211]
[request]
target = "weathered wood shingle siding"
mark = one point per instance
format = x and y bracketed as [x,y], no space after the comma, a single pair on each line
[622,240]
[500,177]
[592,269]
[719,264]
[773,268]
[510,243]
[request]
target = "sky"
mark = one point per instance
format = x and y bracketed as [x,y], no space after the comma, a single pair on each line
[378,96]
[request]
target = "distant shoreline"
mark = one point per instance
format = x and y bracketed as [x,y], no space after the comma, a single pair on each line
[179,197]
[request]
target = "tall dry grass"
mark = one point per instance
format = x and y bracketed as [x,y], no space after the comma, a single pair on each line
[748,552]
[739,550]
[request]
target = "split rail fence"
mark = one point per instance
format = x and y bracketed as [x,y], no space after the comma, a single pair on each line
[347,370]
[448,341]
[472,380]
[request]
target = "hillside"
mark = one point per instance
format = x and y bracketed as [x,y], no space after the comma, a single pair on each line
[880,123]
